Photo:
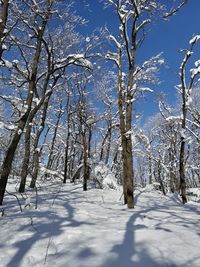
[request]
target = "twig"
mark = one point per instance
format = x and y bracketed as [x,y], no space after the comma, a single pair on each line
[12,194]
[33,224]
[121,196]
[2,212]
[36,197]
[49,241]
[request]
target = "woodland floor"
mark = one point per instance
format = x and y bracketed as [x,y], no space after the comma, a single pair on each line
[72,228]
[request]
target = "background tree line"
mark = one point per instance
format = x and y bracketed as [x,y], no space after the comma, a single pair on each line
[67,100]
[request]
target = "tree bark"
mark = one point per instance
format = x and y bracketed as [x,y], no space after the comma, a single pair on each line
[182,171]
[3,20]
[36,150]
[85,161]
[66,167]
[129,169]
[33,112]
[50,158]
[7,163]
[25,163]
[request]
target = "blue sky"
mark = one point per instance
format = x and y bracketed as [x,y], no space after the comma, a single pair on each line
[165,36]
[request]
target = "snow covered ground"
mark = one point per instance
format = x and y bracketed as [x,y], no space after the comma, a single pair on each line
[72,228]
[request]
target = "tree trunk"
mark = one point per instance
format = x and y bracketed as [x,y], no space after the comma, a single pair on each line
[160,178]
[37,152]
[182,172]
[72,160]
[107,138]
[150,169]
[129,167]
[26,159]
[50,159]
[7,163]
[25,164]
[121,101]
[109,145]
[3,20]
[36,163]
[66,167]
[85,161]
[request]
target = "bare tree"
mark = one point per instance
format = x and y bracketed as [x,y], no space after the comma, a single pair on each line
[134,16]
[185,90]
[7,163]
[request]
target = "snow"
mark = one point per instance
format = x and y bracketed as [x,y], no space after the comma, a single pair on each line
[105,177]
[112,56]
[87,39]
[173,118]
[128,133]
[146,89]
[115,41]
[73,59]
[194,39]
[183,133]
[93,229]
[4,47]
[85,63]
[15,61]
[8,64]
[7,126]
[19,131]
[197,63]
[195,71]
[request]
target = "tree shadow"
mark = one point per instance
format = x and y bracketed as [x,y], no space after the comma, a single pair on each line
[132,254]
[45,225]
[128,253]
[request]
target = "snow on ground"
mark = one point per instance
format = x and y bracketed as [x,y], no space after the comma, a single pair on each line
[72,228]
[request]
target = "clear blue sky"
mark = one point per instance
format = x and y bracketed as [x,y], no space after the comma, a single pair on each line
[165,36]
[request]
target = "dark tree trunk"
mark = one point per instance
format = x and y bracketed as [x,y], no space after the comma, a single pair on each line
[66,163]
[35,169]
[37,152]
[50,159]
[25,164]
[108,148]
[182,172]
[4,5]
[85,161]
[7,163]
[160,178]
[129,152]
[26,159]
[66,167]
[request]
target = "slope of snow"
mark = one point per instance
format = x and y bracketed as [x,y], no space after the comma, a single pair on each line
[94,229]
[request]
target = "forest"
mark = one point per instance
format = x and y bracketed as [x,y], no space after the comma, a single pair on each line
[86,178]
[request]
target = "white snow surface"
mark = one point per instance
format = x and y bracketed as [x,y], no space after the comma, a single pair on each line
[93,229]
